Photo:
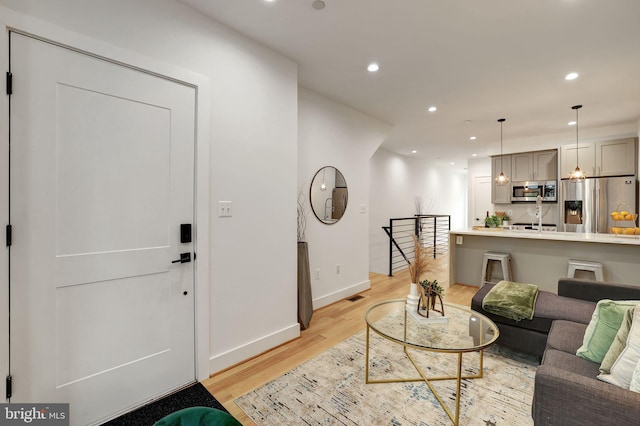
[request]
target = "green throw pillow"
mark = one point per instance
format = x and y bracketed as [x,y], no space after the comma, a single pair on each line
[602,329]
[198,416]
[618,344]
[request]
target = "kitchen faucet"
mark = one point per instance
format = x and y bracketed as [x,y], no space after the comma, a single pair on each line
[539,212]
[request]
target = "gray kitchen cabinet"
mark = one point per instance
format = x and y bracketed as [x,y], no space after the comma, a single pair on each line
[586,159]
[522,166]
[545,165]
[535,166]
[602,158]
[616,157]
[501,194]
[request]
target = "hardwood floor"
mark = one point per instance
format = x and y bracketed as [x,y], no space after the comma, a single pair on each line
[329,326]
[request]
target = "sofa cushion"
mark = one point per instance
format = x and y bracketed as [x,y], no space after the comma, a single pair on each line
[549,307]
[571,363]
[602,328]
[566,336]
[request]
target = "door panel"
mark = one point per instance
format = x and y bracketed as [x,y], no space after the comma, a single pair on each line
[102,176]
[94,164]
[481,199]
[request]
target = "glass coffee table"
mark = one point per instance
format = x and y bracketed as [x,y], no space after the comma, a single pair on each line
[464,331]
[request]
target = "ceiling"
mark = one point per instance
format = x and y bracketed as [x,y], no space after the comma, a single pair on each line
[477,61]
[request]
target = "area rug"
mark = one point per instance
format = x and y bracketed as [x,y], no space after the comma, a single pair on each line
[330,389]
[195,395]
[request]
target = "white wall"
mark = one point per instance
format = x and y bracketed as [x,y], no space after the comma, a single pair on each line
[253,154]
[395,181]
[331,134]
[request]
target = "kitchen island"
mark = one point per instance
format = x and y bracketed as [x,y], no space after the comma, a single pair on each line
[541,258]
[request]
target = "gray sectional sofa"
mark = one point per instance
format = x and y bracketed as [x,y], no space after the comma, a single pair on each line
[567,391]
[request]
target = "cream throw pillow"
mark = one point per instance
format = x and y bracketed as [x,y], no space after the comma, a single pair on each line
[635,379]
[622,370]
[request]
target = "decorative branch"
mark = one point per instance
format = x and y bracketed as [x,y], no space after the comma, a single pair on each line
[423,262]
[302,215]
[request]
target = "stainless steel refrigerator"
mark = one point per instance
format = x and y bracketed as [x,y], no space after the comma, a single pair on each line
[586,206]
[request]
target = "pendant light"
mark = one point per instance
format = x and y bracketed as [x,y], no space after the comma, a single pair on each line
[577,175]
[502,179]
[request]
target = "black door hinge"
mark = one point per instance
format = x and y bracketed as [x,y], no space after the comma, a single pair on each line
[9,83]
[9,238]
[8,386]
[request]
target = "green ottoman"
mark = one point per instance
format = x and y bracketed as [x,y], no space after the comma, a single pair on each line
[198,416]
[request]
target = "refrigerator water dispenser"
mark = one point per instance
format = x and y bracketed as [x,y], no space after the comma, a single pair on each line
[573,212]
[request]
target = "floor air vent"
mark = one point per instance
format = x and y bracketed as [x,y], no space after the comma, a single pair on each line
[354,298]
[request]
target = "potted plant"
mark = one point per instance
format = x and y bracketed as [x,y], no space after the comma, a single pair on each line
[431,293]
[491,221]
[503,219]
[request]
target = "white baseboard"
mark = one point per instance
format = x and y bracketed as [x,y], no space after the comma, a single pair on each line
[242,353]
[341,294]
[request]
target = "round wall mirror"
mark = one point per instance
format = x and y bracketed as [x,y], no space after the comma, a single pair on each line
[328,195]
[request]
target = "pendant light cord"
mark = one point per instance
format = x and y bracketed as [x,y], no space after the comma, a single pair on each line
[577,166]
[501,120]
[501,157]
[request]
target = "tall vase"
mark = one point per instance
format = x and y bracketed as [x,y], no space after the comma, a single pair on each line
[413,298]
[305,303]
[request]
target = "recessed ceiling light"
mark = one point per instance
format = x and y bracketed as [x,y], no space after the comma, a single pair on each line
[452,163]
[473,138]
[474,155]
[373,67]
[432,109]
[571,76]
[571,123]
[414,151]
[467,121]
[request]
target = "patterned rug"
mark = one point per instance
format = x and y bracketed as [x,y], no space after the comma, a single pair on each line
[330,389]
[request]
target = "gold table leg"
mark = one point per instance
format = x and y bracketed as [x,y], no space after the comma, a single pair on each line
[455,417]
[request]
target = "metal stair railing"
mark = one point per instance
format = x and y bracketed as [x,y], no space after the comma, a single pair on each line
[432,232]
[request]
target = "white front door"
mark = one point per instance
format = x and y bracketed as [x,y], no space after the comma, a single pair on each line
[102,176]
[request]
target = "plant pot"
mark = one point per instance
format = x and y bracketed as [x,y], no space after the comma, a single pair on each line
[413,297]
[305,302]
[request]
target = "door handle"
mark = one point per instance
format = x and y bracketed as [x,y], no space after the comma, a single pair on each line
[184,258]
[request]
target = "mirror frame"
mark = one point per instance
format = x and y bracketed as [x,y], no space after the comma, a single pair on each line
[346,196]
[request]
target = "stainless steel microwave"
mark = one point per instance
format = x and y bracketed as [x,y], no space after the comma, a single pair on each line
[523,192]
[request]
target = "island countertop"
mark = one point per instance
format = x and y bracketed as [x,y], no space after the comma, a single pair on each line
[551,235]
[542,258]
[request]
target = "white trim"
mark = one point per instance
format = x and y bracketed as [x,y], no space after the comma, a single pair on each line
[242,353]
[22,23]
[341,294]
[4,208]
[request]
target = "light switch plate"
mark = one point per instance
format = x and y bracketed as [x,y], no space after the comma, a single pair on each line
[224,208]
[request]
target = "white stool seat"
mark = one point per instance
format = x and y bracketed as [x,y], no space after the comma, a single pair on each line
[505,263]
[585,265]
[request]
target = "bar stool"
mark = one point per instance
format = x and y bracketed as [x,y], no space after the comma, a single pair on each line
[505,263]
[585,265]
